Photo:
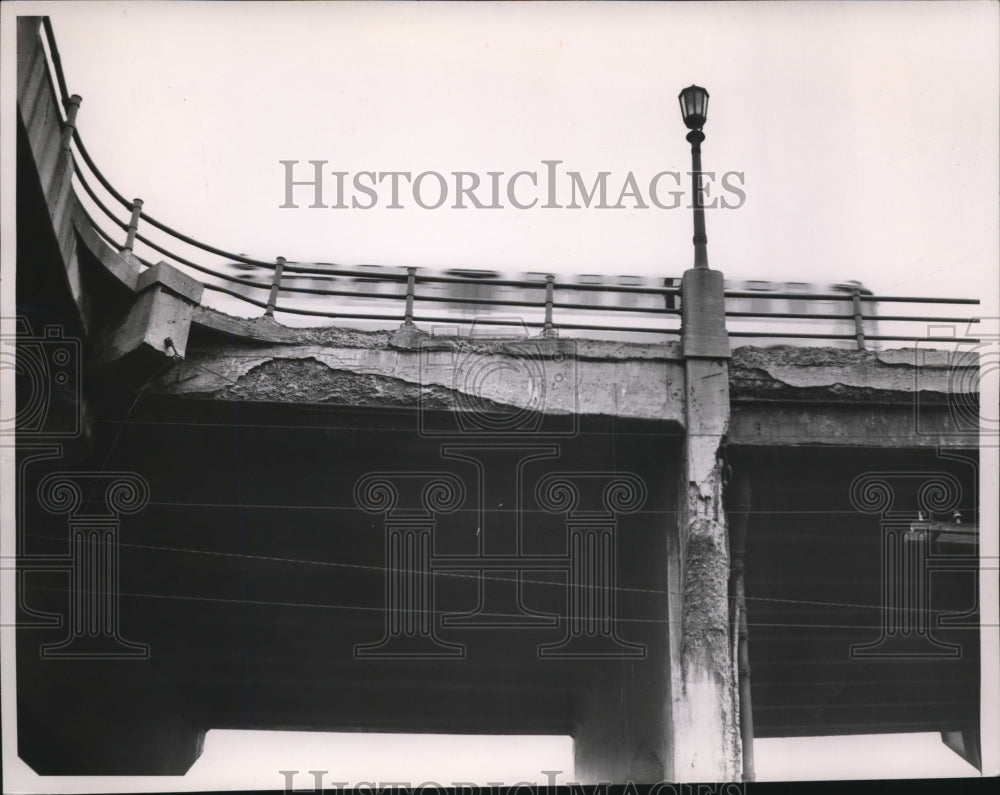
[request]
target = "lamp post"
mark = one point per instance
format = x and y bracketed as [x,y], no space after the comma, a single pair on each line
[694,110]
[705,730]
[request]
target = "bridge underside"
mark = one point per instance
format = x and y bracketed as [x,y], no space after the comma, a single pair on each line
[254,578]
[256,581]
[836,640]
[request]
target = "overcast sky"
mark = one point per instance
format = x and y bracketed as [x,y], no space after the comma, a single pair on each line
[866,134]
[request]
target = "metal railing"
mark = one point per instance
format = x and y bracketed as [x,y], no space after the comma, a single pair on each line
[416,297]
[860,323]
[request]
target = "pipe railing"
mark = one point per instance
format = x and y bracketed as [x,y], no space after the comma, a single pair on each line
[860,325]
[413,305]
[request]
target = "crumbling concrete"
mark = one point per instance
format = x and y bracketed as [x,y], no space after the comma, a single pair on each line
[827,374]
[340,367]
[913,397]
[704,736]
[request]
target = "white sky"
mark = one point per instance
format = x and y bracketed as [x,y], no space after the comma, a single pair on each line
[867,133]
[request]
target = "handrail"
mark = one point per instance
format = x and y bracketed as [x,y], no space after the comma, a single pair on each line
[871,297]
[548,288]
[97,201]
[819,316]
[50,40]
[862,333]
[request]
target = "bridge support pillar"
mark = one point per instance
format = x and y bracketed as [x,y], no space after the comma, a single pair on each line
[622,735]
[704,736]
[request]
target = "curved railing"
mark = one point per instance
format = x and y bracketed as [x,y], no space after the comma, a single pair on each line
[411,296]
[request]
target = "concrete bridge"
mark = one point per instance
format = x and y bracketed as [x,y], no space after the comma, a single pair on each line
[227,523]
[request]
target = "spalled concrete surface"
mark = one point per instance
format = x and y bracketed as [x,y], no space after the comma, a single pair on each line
[831,375]
[261,360]
[404,369]
[263,329]
[705,739]
[912,397]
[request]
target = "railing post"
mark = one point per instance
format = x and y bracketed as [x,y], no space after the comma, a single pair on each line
[859,320]
[272,298]
[411,280]
[133,224]
[72,105]
[549,330]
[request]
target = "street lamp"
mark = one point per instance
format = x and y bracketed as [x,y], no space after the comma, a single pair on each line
[694,110]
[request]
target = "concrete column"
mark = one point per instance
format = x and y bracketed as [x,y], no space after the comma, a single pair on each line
[598,750]
[703,720]
[621,732]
